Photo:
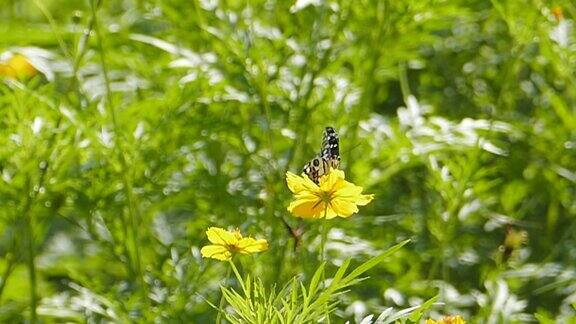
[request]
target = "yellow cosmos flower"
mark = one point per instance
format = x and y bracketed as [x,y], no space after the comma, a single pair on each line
[18,66]
[447,320]
[226,243]
[332,197]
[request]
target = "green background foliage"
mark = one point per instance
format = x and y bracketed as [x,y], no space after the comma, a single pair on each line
[153,120]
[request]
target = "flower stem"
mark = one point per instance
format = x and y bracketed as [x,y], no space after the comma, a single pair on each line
[324,236]
[321,256]
[28,234]
[30,260]
[132,238]
[222,299]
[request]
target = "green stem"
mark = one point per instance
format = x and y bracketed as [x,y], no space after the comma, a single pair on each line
[31,270]
[324,235]
[30,257]
[127,184]
[11,263]
[324,238]
[222,299]
[404,84]
[54,26]
[237,274]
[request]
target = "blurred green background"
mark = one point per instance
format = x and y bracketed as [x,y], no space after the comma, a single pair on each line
[152,120]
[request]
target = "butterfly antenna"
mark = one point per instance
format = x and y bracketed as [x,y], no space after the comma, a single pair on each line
[353,147]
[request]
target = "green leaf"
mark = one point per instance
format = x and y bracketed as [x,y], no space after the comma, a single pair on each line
[316,279]
[417,314]
[373,262]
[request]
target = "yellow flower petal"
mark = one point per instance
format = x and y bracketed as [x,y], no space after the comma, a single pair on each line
[349,190]
[307,208]
[352,193]
[343,207]
[218,252]
[447,320]
[364,200]
[330,213]
[249,245]
[297,184]
[329,180]
[218,235]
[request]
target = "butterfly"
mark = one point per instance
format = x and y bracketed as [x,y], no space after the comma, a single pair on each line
[329,156]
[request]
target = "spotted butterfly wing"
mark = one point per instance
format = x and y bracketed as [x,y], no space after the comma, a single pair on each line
[316,168]
[331,147]
[329,156]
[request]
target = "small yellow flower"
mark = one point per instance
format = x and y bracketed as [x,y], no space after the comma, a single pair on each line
[332,197]
[515,239]
[447,320]
[17,67]
[225,243]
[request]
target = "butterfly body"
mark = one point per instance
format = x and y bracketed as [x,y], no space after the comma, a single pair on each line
[329,156]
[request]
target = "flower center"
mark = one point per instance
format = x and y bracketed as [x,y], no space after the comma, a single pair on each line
[326,196]
[232,247]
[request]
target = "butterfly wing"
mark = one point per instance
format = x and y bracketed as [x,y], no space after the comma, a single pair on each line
[331,147]
[329,156]
[316,168]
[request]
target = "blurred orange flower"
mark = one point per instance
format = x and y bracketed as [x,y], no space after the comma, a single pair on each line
[18,67]
[447,320]
[557,12]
